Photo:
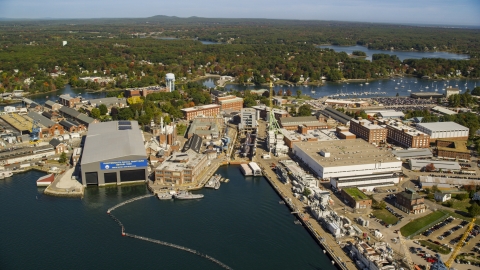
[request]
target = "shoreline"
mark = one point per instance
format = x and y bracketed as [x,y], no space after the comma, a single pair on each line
[317,45]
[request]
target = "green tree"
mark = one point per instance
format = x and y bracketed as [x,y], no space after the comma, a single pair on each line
[63,158]
[305,110]
[307,192]
[474,209]
[299,93]
[103,109]
[462,196]
[95,113]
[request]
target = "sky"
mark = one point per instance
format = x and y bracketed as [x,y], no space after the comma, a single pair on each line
[443,12]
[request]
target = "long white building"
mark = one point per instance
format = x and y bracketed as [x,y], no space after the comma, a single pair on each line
[352,163]
[441,130]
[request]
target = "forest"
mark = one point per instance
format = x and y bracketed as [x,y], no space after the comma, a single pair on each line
[132,53]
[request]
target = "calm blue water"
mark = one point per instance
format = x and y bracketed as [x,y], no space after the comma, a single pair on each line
[375,88]
[205,42]
[401,55]
[241,224]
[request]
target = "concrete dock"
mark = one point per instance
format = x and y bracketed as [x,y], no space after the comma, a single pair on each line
[325,239]
[65,186]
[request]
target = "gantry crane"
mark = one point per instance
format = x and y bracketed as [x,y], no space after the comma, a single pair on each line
[410,263]
[36,132]
[459,245]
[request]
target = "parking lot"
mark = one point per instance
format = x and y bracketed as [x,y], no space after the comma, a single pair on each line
[445,236]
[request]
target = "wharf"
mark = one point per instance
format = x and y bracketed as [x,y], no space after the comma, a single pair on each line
[65,186]
[325,239]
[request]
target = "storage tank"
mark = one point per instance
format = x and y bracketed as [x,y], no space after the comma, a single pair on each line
[170,81]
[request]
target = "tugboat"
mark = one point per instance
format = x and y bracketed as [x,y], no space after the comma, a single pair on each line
[185,195]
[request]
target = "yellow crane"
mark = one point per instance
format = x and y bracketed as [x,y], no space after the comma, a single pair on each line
[459,245]
[410,263]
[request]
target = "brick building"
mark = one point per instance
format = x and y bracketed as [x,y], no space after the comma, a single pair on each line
[303,123]
[205,110]
[410,202]
[406,136]
[449,149]
[344,134]
[370,132]
[67,100]
[356,198]
[229,102]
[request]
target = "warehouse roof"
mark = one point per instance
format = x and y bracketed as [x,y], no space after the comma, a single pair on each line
[442,126]
[41,119]
[345,152]
[288,121]
[391,114]
[444,165]
[113,140]
[443,110]
[413,153]
[338,116]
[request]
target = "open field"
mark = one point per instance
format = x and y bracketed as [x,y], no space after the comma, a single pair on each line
[417,224]
[386,216]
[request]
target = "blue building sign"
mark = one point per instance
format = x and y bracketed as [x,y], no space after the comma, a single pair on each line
[123,164]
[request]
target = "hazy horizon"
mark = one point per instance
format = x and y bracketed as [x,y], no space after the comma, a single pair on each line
[426,12]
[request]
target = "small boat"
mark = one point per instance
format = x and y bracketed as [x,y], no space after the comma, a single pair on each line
[227,180]
[164,196]
[409,90]
[185,195]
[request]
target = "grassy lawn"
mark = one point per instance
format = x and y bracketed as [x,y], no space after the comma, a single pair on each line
[386,216]
[461,205]
[356,194]
[417,224]
[435,247]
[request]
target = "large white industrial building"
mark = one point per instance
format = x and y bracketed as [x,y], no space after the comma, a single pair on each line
[350,163]
[441,130]
[114,154]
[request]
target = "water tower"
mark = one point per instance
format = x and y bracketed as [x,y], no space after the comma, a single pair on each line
[170,81]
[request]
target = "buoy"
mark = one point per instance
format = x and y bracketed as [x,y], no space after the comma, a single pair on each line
[108,212]
[324,251]
[333,262]
[123,234]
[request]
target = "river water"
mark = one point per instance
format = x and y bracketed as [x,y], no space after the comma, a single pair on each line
[374,88]
[242,225]
[401,54]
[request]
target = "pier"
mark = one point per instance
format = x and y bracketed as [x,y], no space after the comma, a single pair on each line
[328,244]
[163,243]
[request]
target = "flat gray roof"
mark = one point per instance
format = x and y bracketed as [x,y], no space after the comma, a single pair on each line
[345,152]
[445,165]
[106,141]
[413,153]
[442,126]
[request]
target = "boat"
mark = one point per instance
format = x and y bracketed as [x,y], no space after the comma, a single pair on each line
[185,195]
[409,90]
[164,196]
[217,185]
[227,180]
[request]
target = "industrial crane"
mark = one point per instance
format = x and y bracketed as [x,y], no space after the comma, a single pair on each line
[36,132]
[410,263]
[459,245]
